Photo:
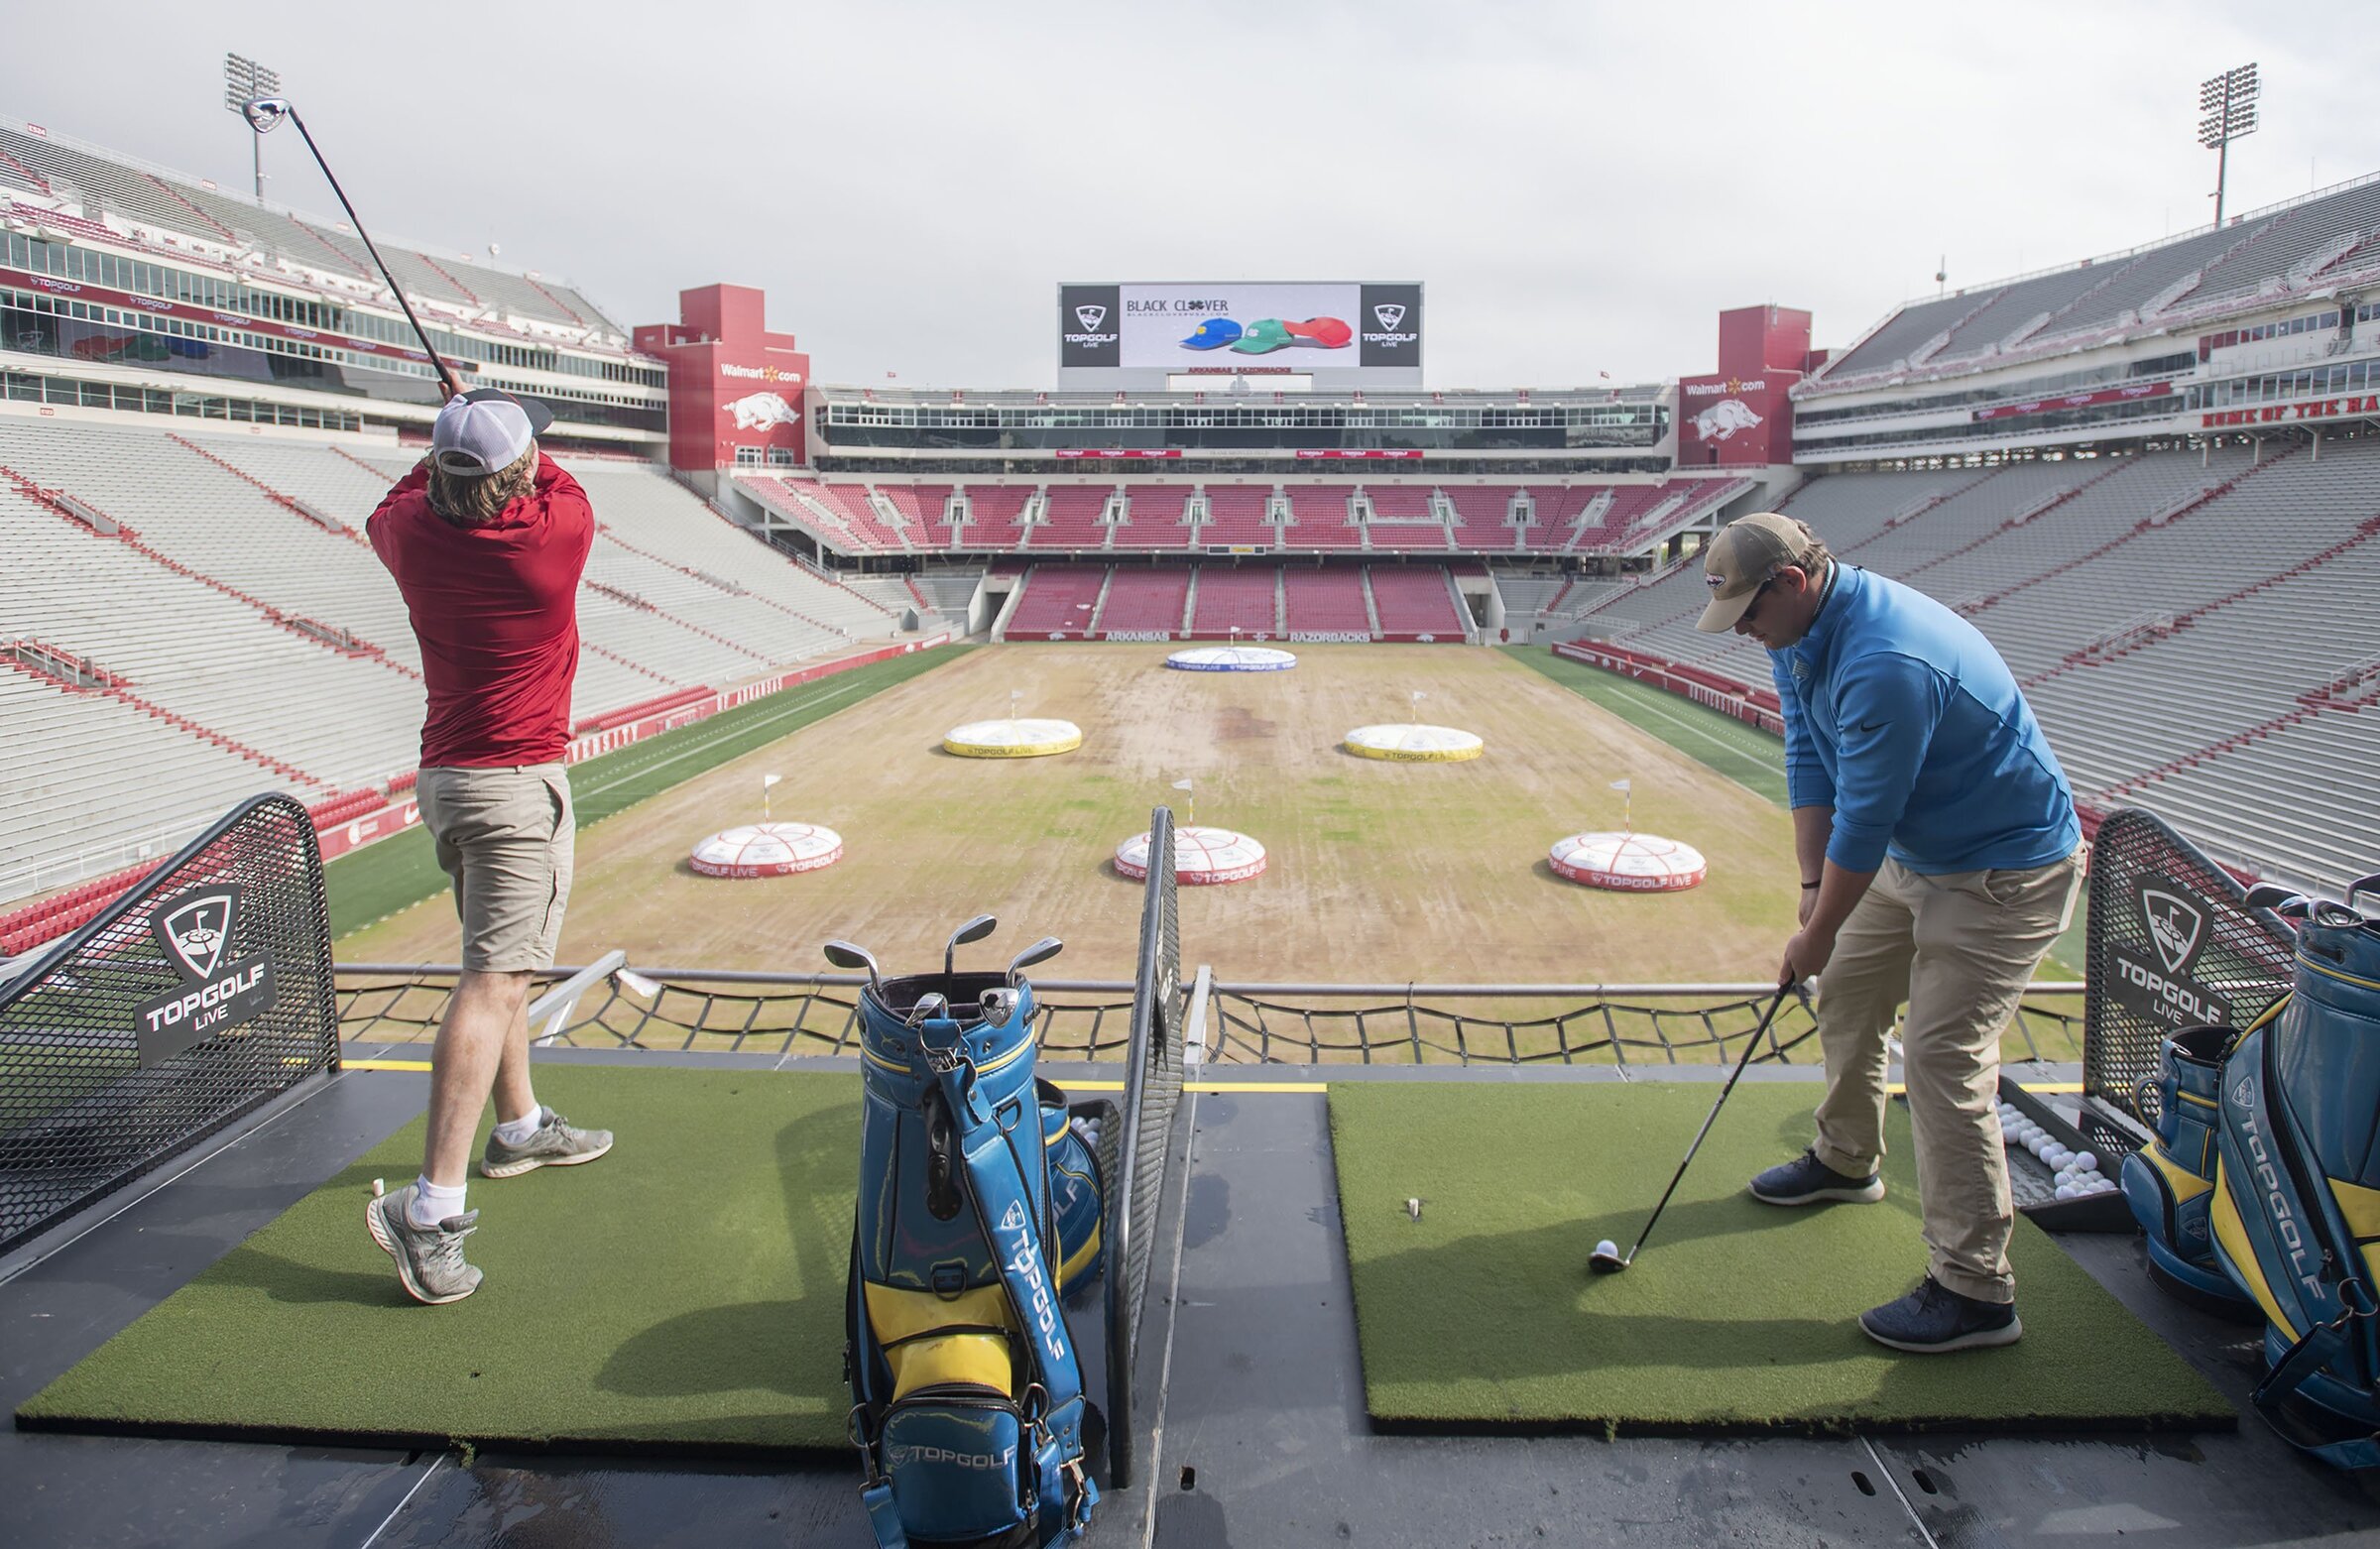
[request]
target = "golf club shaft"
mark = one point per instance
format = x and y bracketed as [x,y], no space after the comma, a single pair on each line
[1751,1046]
[445,375]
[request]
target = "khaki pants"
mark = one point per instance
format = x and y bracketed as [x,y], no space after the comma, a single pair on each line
[1959,948]
[505,835]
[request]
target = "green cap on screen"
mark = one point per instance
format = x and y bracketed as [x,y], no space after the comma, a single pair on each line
[1264,336]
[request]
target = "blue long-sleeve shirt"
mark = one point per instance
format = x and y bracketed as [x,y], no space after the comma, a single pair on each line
[1901,716]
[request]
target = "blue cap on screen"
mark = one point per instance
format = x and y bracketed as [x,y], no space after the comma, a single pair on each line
[1212,334]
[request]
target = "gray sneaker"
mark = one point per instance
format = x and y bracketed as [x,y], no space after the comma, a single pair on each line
[557,1143]
[429,1259]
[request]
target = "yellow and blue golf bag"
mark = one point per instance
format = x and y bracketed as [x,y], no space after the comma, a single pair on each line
[979,1207]
[2169,1182]
[2295,1211]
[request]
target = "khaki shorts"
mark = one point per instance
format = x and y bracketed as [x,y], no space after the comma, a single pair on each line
[505,836]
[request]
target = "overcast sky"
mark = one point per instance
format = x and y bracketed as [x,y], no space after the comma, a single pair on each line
[1581,187]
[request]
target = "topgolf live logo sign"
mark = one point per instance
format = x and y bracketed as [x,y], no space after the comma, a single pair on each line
[2161,983]
[196,931]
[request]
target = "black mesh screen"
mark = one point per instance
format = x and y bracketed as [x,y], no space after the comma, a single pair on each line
[1153,1096]
[2172,944]
[194,998]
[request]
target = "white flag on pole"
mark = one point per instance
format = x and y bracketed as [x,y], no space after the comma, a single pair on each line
[1619,784]
[767,781]
[1181,784]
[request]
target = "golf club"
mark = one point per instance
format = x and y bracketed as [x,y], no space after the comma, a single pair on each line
[1603,1262]
[844,955]
[264,115]
[975,929]
[996,1003]
[1040,951]
[933,1002]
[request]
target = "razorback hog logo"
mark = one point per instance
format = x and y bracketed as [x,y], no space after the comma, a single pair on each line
[1723,419]
[1090,317]
[2174,926]
[760,411]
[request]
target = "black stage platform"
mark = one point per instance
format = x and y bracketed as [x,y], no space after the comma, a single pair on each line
[1259,1432]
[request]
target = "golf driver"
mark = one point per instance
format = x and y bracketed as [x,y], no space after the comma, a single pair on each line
[264,115]
[1605,1260]
[844,955]
[975,929]
[1040,951]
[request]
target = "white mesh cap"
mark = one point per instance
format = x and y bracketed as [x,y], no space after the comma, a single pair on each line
[484,431]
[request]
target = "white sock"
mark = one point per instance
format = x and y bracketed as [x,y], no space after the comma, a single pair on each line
[514,1131]
[432,1204]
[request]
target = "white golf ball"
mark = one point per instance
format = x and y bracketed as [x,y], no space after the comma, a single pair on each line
[2066,1191]
[1607,1249]
[2089,1161]
[2060,1155]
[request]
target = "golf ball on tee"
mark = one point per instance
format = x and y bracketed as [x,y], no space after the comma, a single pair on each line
[1607,1249]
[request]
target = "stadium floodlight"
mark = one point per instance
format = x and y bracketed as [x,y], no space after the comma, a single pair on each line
[266,114]
[245,81]
[2227,108]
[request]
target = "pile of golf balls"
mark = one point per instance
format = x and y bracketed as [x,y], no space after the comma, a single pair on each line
[2077,1172]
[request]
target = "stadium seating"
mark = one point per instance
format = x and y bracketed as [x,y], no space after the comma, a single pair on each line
[1415,601]
[2175,619]
[1481,517]
[2259,255]
[1144,599]
[1236,514]
[259,645]
[1249,600]
[1318,518]
[1156,516]
[1071,517]
[995,516]
[1057,602]
[1330,601]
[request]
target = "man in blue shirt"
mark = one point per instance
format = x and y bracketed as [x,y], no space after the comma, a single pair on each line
[1939,857]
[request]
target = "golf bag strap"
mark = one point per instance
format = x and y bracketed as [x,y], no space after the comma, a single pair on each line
[2322,1344]
[882,1516]
[1004,1209]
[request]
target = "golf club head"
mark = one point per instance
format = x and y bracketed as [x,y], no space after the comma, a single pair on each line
[2272,896]
[996,1003]
[264,114]
[1606,1264]
[844,955]
[931,1003]
[1040,951]
[975,929]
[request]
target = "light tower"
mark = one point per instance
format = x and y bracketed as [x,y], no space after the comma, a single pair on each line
[244,80]
[2227,103]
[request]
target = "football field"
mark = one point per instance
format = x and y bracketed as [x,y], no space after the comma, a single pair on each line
[1380,872]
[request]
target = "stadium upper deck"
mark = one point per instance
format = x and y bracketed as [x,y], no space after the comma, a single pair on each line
[2262,323]
[146,289]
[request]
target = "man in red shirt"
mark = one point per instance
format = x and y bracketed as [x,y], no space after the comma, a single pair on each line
[487,539]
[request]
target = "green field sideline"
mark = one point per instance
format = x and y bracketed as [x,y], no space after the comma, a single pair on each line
[1744,754]
[373,883]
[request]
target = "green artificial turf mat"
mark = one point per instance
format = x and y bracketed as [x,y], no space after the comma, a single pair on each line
[1738,1315]
[684,1293]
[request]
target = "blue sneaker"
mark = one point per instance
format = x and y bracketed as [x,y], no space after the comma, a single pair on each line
[1934,1318]
[1806,1180]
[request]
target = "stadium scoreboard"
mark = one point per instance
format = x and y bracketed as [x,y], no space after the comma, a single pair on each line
[1328,335]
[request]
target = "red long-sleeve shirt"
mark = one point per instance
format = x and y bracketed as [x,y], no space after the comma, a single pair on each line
[495,609]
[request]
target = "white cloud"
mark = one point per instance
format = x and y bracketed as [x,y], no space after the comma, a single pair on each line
[1581,187]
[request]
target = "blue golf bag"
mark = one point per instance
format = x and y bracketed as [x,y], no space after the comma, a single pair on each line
[2296,1204]
[2170,1183]
[979,1208]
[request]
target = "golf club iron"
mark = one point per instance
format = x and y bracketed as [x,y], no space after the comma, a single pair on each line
[931,1003]
[844,955]
[1610,1263]
[975,929]
[264,115]
[1040,951]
